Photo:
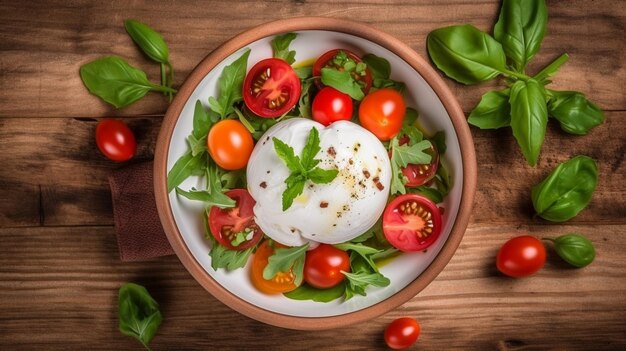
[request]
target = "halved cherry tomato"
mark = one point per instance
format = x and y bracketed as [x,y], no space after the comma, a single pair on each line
[323,266]
[402,333]
[282,281]
[271,88]
[418,175]
[331,105]
[521,256]
[382,113]
[226,223]
[411,222]
[326,60]
[230,144]
[115,140]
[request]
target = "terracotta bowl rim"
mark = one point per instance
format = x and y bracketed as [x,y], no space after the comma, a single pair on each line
[374,35]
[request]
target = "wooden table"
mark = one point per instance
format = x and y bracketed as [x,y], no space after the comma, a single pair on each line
[59,266]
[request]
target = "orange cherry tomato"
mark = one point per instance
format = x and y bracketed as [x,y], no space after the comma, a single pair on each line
[230,144]
[282,282]
[382,113]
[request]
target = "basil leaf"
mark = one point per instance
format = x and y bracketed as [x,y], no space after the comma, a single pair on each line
[285,259]
[304,73]
[113,80]
[379,66]
[280,46]
[342,81]
[520,29]
[575,113]
[150,41]
[286,153]
[529,117]
[138,313]
[322,176]
[466,54]
[431,193]
[307,292]
[567,190]
[230,260]
[574,249]
[493,111]
[295,187]
[231,85]
[183,168]
[310,150]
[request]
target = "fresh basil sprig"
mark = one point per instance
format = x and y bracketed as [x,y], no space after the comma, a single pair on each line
[574,249]
[139,314]
[302,168]
[470,56]
[280,46]
[567,190]
[285,259]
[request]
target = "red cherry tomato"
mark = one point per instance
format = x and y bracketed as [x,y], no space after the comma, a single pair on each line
[521,256]
[411,222]
[226,223]
[230,144]
[115,140]
[402,333]
[331,105]
[418,175]
[323,266]
[328,60]
[382,113]
[271,88]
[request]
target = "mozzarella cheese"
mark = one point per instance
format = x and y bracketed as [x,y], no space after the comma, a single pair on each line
[324,213]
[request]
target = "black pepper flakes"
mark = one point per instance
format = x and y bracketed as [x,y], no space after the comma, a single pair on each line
[263,185]
[323,204]
[331,151]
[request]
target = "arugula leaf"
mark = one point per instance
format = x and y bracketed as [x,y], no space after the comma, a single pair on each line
[304,73]
[442,180]
[365,252]
[222,257]
[415,154]
[230,84]
[307,292]
[280,46]
[211,198]
[342,81]
[304,104]
[357,282]
[410,116]
[138,313]
[439,141]
[433,194]
[285,259]
[388,252]
[185,166]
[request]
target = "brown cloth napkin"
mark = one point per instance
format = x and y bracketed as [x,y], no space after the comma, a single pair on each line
[137,226]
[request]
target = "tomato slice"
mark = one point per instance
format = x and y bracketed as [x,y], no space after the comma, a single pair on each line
[282,281]
[226,224]
[271,88]
[418,175]
[411,222]
[326,60]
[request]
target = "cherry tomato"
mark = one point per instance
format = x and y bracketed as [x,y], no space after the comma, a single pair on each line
[328,60]
[418,175]
[331,105]
[230,144]
[323,266]
[411,222]
[271,88]
[115,140]
[402,333]
[226,223]
[282,281]
[521,256]
[382,113]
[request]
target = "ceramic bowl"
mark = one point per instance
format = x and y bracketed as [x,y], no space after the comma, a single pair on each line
[410,273]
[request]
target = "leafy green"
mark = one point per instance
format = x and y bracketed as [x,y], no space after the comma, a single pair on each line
[379,66]
[402,155]
[493,111]
[304,72]
[307,292]
[466,54]
[362,250]
[567,190]
[138,313]
[432,193]
[302,168]
[285,259]
[185,166]
[230,86]
[280,45]
[357,282]
[574,249]
[520,29]
[222,257]
[211,198]
[529,117]
[575,113]
[342,81]
[439,141]
[304,104]
[115,81]
[201,125]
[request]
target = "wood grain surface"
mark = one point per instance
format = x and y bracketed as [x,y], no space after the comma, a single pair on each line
[59,269]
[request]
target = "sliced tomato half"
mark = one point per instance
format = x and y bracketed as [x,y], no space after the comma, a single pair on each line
[282,282]
[411,222]
[271,88]
[328,60]
[230,226]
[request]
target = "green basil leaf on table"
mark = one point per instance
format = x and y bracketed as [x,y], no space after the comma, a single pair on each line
[307,292]
[342,81]
[230,86]
[285,259]
[466,54]
[574,249]
[280,46]
[520,29]
[575,113]
[184,167]
[529,117]
[150,41]
[115,81]
[139,314]
[493,111]
[567,190]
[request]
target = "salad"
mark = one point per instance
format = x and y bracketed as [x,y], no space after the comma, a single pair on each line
[316,174]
